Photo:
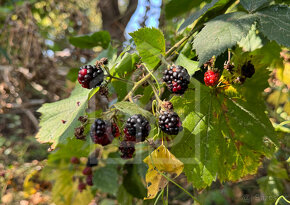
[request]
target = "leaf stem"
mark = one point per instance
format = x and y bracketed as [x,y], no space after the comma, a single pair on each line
[157,199]
[281,197]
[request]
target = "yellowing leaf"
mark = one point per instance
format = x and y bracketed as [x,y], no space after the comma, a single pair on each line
[29,185]
[277,98]
[283,74]
[287,108]
[163,161]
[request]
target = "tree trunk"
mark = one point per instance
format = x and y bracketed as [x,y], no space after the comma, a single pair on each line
[113,21]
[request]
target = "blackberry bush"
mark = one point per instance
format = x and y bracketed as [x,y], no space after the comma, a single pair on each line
[227,130]
[169,122]
[176,79]
[90,76]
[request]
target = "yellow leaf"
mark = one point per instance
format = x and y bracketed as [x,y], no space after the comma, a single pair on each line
[29,185]
[287,108]
[276,98]
[283,74]
[163,161]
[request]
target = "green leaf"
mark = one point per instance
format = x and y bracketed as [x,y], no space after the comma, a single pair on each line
[190,65]
[275,23]
[221,33]
[197,14]
[100,38]
[124,197]
[132,181]
[59,119]
[271,186]
[110,53]
[252,5]
[72,74]
[252,41]
[121,88]
[208,12]
[150,45]
[177,7]
[132,109]
[106,179]
[224,136]
[127,63]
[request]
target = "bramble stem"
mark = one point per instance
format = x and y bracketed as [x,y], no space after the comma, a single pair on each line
[120,79]
[167,54]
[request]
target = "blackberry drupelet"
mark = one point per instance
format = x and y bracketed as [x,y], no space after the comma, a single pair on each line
[248,69]
[176,79]
[127,148]
[169,122]
[90,76]
[137,128]
[211,78]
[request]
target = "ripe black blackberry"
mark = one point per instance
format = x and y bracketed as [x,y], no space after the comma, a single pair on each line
[176,79]
[169,122]
[90,76]
[103,132]
[248,69]
[127,148]
[137,128]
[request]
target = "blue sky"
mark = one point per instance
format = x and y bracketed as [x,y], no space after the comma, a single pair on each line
[138,16]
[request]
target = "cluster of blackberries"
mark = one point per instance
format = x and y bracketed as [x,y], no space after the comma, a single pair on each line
[211,78]
[90,76]
[170,123]
[103,132]
[137,128]
[176,79]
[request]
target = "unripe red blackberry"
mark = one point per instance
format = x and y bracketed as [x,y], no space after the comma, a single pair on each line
[81,186]
[74,160]
[176,79]
[87,171]
[90,76]
[137,128]
[211,78]
[103,132]
[89,180]
[169,122]
[248,69]
[127,148]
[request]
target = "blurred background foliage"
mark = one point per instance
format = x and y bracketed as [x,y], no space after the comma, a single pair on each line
[39,56]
